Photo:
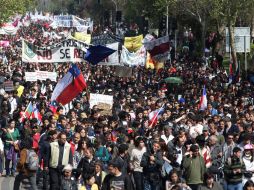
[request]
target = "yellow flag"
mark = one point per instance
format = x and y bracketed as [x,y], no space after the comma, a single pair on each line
[152,64]
[133,43]
[149,61]
[20,90]
[83,37]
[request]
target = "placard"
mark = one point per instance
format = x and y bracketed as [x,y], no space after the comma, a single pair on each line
[103,102]
[8,86]
[40,75]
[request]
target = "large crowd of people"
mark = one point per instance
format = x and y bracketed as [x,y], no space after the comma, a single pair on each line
[82,148]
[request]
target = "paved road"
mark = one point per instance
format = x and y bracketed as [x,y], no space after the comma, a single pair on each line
[6,183]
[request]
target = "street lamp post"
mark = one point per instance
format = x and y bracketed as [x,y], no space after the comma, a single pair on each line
[115,2]
[167,22]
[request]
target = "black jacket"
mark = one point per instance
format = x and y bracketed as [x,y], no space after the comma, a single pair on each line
[85,167]
[152,171]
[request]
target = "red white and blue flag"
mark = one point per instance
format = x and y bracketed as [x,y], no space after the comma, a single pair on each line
[155,115]
[203,101]
[69,86]
[36,114]
[53,107]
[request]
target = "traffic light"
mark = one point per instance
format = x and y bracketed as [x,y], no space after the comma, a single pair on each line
[118,16]
[164,22]
[106,18]
[162,26]
[173,24]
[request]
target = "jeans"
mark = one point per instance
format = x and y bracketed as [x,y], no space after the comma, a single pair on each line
[148,185]
[7,162]
[238,186]
[139,182]
[194,186]
[45,180]
[55,178]
[20,177]
[1,163]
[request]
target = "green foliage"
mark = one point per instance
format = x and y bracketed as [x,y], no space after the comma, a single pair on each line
[11,7]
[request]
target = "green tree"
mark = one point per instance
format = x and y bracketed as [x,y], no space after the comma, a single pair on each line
[196,9]
[11,7]
[229,11]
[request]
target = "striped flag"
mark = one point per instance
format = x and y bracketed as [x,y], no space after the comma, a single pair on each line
[36,114]
[203,101]
[27,112]
[155,115]
[69,86]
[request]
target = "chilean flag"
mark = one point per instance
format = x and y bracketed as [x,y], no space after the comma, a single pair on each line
[69,86]
[36,114]
[53,107]
[154,116]
[203,101]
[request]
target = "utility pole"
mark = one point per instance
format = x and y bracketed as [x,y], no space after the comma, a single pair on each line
[167,22]
[115,2]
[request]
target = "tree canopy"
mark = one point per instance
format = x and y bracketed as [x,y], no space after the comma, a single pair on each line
[12,7]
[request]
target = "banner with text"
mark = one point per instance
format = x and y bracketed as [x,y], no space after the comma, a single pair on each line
[72,21]
[40,75]
[67,51]
[133,59]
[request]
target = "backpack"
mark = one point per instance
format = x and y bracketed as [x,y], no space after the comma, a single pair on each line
[32,160]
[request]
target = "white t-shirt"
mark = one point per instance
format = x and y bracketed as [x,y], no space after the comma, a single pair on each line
[167,139]
[136,156]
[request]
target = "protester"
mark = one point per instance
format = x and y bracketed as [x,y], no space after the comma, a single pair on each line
[68,182]
[209,183]
[151,163]
[28,164]
[174,179]
[194,167]
[60,156]
[135,158]
[89,183]
[99,174]
[116,179]
[234,169]
[248,162]
[11,136]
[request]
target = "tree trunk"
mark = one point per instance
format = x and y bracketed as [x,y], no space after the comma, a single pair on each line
[232,44]
[203,25]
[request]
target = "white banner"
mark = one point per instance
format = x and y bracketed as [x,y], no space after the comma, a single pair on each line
[133,59]
[72,21]
[8,30]
[96,99]
[113,59]
[66,51]
[40,75]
